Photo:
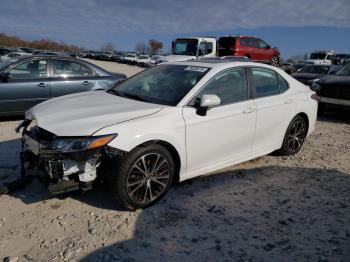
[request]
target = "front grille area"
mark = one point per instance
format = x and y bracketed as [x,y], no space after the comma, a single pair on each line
[41,135]
[44,135]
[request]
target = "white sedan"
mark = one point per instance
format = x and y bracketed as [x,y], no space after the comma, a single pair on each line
[143,60]
[169,123]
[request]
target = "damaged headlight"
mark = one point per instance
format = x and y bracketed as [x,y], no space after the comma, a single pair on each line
[70,145]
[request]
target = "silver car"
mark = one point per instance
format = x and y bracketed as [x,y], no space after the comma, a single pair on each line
[34,79]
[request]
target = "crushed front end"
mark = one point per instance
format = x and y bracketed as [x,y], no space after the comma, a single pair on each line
[65,163]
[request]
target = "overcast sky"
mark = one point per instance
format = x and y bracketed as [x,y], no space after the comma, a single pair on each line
[295,26]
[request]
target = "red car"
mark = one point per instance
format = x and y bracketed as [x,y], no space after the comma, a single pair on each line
[249,46]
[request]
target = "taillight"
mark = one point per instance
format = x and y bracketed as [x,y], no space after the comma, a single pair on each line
[315,97]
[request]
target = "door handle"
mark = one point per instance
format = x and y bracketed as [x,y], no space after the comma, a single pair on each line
[288,101]
[86,83]
[249,110]
[41,85]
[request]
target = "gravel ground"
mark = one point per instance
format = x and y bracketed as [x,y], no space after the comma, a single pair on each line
[269,209]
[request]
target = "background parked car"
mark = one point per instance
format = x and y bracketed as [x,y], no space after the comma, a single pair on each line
[107,55]
[249,46]
[27,49]
[118,57]
[34,79]
[130,58]
[6,50]
[339,59]
[51,53]
[12,56]
[287,67]
[155,59]
[297,67]
[143,60]
[308,73]
[334,90]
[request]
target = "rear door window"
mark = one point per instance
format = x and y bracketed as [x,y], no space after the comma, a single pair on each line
[66,68]
[266,82]
[244,42]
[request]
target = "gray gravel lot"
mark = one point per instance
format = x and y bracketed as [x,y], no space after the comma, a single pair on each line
[269,209]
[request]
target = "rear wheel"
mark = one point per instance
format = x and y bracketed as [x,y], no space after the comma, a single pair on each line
[142,177]
[275,61]
[294,137]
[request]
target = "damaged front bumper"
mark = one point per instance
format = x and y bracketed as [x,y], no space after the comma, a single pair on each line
[65,164]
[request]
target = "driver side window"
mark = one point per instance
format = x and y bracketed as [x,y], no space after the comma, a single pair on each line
[230,86]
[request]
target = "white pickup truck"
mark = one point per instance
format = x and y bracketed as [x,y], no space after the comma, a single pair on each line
[187,48]
[320,58]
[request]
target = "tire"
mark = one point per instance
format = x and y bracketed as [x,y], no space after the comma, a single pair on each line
[294,137]
[275,61]
[142,177]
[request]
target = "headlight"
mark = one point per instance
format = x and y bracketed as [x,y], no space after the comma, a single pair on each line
[68,145]
[33,125]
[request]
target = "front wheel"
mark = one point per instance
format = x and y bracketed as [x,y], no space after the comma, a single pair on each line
[142,177]
[294,137]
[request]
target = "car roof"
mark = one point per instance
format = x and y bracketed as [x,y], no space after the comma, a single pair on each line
[220,63]
[30,56]
[239,36]
[317,65]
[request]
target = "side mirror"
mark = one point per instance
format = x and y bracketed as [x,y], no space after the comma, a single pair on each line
[206,102]
[5,76]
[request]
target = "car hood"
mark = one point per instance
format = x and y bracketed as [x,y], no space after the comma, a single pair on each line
[306,75]
[318,62]
[334,80]
[176,58]
[83,114]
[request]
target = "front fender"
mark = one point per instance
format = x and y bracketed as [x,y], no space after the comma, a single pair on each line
[167,125]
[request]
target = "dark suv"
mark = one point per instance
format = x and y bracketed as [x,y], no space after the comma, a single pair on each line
[249,46]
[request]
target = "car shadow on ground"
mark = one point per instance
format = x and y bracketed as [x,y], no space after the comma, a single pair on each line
[260,214]
[11,118]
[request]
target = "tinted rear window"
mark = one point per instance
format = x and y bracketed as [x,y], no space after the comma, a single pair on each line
[227,42]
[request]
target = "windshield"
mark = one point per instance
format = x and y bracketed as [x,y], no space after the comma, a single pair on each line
[344,71]
[5,64]
[315,69]
[185,47]
[163,84]
[143,57]
[318,56]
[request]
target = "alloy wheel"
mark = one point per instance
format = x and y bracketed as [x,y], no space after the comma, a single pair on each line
[274,61]
[148,178]
[296,136]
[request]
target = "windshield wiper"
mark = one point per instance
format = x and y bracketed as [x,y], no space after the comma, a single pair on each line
[126,95]
[136,97]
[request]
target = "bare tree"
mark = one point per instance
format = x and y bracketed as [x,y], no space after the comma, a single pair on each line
[108,47]
[141,47]
[155,46]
